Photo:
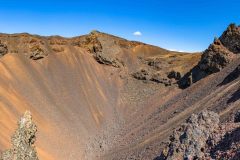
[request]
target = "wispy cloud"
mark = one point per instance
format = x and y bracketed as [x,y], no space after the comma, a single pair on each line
[137,33]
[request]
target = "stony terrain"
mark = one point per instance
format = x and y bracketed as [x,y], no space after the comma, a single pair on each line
[204,137]
[98,96]
[23,141]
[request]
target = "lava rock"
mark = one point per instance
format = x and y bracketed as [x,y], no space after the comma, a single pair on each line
[143,74]
[215,58]
[23,141]
[231,38]
[3,49]
[188,142]
[107,60]
[175,75]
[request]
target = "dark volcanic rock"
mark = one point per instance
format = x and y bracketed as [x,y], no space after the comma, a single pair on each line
[231,38]
[203,137]
[3,49]
[188,142]
[23,141]
[175,75]
[218,55]
[215,58]
[143,74]
[149,76]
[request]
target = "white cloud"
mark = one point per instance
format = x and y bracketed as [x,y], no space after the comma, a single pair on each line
[176,50]
[137,33]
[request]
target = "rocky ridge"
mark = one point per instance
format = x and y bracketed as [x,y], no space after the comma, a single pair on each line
[219,54]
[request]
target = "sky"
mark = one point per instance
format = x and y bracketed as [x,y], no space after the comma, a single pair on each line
[183,25]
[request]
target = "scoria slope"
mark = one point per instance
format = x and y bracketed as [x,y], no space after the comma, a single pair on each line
[81,91]
[99,96]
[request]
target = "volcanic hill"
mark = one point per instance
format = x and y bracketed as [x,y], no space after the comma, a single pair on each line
[98,96]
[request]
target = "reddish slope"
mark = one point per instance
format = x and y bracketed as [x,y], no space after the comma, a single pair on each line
[68,95]
[84,109]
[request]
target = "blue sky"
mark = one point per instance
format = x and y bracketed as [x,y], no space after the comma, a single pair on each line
[185,25]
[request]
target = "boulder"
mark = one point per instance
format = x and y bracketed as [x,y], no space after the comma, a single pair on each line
[175,75]
[143,74]
[188,142]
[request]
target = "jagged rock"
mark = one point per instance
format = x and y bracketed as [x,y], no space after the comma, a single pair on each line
[143,74]
[231,38]
[215,58]
[3,49]
[23,141]
[147,76]
[36,53]
[175,75]
[90,42]
[218,55]
[203,137]
[107,60]
[188,142]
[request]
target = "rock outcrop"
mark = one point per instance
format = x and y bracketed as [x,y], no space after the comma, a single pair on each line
[23,141]
[218,55]
[98,46]
[188,142]
[37,53]
[215,58]
[3,49]
[231,38]
[175,75]
[151,76]
[204,137]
